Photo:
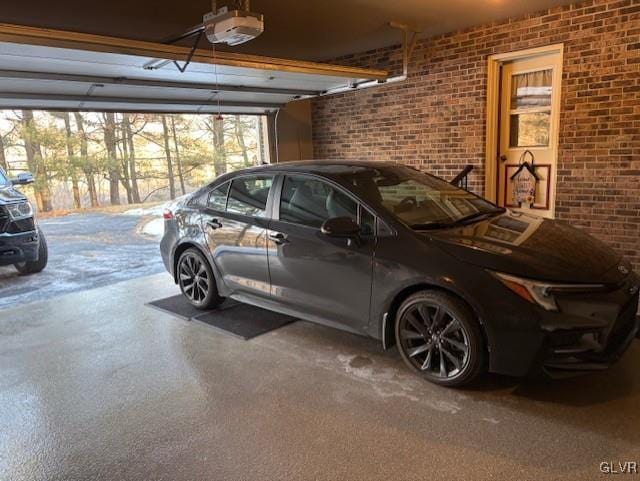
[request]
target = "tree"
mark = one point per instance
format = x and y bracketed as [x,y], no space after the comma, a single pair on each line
[133,173]
[3,156]
[35,161]
[75,188]
[110,141]
[239,129]
[215,125]
[167,149]
[177,149]
[123,143]
[86,164]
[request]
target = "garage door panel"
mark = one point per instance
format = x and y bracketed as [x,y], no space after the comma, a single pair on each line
[110,74]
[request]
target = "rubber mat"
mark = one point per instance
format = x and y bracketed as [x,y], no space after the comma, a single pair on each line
[176,305]
[239,320]
[244,321]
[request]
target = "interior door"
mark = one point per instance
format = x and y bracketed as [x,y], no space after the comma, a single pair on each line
[235,225]
[529,120]
[328,278]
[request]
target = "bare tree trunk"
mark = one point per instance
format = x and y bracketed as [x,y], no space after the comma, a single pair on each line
[172,187]
[112,153]
[220,155]
[3,158]
[87,168]
[124,178]
[177,149]
[36,163]
[239,131]
[75,188]
[133,175]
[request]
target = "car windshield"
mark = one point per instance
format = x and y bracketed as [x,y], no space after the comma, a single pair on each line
[419,200]
[3,178]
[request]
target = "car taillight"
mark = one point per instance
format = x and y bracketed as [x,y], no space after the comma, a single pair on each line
[167,214]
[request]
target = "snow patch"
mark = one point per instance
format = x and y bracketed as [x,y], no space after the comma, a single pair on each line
[155,211]
[154,228]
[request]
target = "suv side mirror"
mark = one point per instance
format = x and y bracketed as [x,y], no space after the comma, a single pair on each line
[23,178]
[341,227]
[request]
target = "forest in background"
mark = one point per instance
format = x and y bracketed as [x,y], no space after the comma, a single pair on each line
[85,159]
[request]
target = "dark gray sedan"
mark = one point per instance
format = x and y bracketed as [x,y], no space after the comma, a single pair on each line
[460,285]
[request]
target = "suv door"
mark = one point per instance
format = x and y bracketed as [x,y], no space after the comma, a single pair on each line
[327,278]
[235,226]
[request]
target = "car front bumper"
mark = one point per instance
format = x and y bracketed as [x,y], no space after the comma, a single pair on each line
[600,329]
[15,248]
[589,331]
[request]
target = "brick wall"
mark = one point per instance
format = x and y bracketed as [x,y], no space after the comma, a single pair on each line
[435,120]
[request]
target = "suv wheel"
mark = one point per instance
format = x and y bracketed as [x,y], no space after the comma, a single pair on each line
[196,280]
[439,337]
[26,268]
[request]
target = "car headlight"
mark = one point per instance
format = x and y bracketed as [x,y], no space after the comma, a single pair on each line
[541,293]
[21,210]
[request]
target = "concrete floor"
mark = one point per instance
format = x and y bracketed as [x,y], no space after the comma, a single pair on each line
[94,385]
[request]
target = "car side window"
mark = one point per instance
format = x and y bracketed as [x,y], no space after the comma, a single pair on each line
[218,197]
[367,222]
[248,195]
[308,201]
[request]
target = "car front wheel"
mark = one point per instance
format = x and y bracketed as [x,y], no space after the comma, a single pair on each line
[196,280]
[26,268]
[439,337]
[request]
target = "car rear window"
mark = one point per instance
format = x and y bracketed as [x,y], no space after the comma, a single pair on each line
[248,195]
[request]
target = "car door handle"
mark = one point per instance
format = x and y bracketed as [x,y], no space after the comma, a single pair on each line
[279,238]
[214,223]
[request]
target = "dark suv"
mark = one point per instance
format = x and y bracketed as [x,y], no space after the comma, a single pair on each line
[21,241]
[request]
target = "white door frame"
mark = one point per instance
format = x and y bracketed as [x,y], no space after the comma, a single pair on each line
[493,103]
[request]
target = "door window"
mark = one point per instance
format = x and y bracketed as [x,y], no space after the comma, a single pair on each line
[248,195]
[310,202]
[530,102]
[218,197]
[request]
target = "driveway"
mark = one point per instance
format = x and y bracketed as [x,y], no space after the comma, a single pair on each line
[86,250]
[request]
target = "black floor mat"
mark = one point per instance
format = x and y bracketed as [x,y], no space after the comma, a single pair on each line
[244,321]
[240,320]
[176,305]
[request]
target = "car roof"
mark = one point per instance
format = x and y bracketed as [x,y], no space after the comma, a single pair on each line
[326,167]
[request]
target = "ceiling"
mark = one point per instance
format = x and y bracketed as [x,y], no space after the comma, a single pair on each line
[297,29]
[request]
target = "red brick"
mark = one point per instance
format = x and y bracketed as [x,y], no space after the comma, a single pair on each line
[436,119]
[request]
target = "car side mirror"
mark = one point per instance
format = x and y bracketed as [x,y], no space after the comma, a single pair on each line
[23,178]
[341,227]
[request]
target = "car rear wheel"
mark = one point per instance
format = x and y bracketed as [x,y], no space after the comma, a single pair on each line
[26,268]
[196,280]
[439,337]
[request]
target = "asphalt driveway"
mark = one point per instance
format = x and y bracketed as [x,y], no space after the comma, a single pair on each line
[86,250]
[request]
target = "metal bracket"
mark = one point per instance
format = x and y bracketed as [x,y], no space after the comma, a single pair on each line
[190,56]
[157,64]
[89,93]
[409,38]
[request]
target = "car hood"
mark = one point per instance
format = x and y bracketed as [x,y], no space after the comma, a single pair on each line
[8,194]
[532,247]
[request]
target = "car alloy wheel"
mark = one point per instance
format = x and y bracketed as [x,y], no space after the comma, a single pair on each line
[194,279]
[439,337]
[434,340]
